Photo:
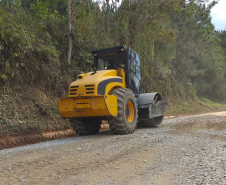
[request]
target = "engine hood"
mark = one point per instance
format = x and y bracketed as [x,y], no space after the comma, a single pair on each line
[93,84]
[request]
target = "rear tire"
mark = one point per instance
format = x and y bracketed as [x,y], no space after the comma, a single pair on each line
[86,126]
[126,120]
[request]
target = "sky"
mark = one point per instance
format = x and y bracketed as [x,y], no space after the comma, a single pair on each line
[218,14]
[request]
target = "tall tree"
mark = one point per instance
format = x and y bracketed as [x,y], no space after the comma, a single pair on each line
[69,33]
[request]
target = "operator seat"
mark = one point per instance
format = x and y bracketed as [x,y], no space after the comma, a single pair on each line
[115,66]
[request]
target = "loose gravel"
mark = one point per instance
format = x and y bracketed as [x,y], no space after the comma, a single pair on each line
[185,150]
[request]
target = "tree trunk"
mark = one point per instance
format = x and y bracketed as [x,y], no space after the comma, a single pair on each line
[69,33]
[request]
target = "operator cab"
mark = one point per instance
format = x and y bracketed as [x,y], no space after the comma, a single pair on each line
[121,57]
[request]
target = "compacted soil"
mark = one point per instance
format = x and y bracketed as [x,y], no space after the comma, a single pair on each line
[184,150]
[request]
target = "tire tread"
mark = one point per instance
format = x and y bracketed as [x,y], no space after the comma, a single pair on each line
[117,124]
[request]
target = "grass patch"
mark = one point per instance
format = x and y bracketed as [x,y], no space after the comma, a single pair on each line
[33,110]
[29,111]
[196,105]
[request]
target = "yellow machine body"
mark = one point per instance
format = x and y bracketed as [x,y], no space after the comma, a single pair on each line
[90,95]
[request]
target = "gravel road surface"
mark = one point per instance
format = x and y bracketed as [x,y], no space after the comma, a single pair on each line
[184,150]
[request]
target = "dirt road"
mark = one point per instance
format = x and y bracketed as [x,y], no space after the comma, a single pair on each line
[184,150]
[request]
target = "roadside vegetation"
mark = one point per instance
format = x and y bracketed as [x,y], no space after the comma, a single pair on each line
[182,55]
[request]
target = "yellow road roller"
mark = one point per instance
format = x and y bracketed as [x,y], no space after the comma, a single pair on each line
[112,91]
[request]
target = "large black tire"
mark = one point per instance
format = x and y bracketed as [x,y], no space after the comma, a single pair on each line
[86,126]
[126,120]
[149,122]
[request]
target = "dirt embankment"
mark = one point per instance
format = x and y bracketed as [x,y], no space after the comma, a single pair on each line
[10,141]
[26,110]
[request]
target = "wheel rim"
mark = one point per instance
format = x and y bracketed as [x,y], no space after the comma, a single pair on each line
[129,111]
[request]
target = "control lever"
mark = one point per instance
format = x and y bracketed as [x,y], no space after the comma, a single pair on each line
[94,70]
